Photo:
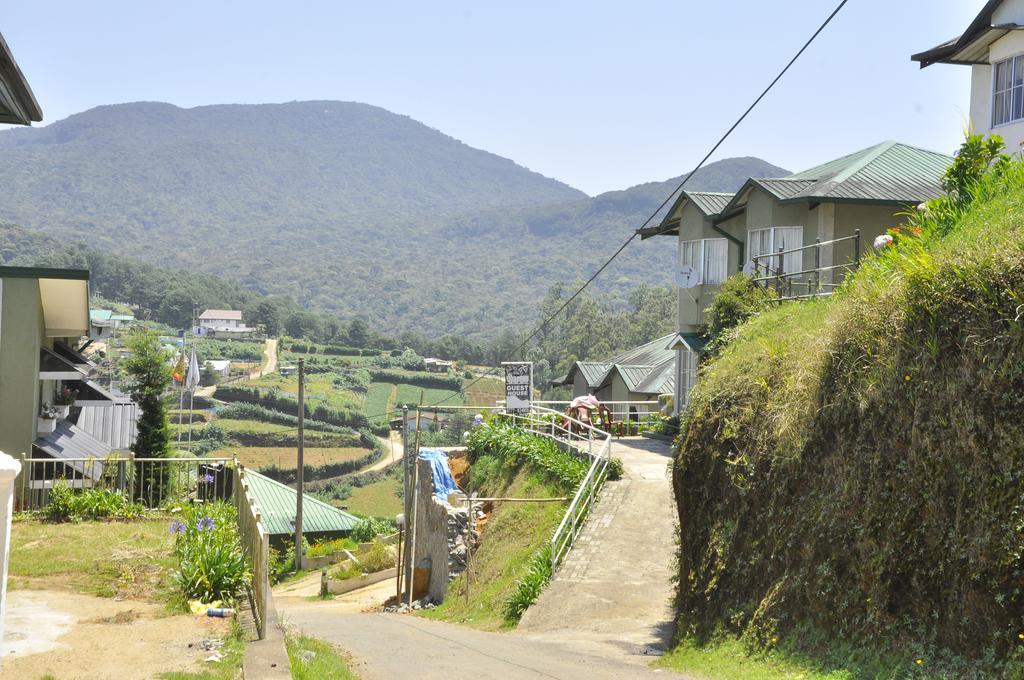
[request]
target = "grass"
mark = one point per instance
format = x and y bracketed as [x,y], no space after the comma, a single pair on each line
[410,394]
[326,661]
[514,533]
[375,500]
[228,668]
[284,456]
[123,559]
[729,660]
[380,398]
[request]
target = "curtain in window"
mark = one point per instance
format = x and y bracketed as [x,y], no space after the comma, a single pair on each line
[760,243]
[689,256]
[688,374]
[716,260]
[788,238]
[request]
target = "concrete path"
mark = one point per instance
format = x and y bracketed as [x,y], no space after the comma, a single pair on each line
[613,594]
[388,646]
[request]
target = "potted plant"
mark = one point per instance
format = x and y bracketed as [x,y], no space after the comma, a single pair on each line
[47,419]
[64,400]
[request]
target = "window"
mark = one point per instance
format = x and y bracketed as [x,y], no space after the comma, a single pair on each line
[709,257]
[768,241]
[688,374]
[1008,91]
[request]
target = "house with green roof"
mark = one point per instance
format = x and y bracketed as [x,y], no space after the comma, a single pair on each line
[276,504]
[718,235]
[643,373]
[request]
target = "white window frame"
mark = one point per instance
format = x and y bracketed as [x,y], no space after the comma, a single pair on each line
[703,253]
[1014,92]
[791,262]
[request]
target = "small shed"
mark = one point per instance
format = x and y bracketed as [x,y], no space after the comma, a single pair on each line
[220,367]
[276,503]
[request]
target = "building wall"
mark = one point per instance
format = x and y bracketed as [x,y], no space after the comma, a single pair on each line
[21,333]
[1009,45]
[431,534]
[691,302]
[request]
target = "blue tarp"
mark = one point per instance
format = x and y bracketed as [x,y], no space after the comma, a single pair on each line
[443,481]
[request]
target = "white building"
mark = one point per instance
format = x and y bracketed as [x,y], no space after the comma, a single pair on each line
[223,323]
[993,46]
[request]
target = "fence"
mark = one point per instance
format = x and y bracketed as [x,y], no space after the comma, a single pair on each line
[586,440]
[769,270]
[149,481]
[628,417]
[256,543]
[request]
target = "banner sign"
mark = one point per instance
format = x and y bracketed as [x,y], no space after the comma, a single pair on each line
[518,386]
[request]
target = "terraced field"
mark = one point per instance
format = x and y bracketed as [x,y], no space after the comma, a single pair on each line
[285,456]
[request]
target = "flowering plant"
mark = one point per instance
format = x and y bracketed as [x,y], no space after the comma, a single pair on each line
[211,564]
[66,397]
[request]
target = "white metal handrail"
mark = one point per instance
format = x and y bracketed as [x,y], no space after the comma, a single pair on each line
[549,423]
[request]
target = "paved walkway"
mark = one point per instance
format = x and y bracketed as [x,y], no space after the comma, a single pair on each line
[613,593]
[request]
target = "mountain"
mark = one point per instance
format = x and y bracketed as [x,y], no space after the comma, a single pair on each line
[342,206]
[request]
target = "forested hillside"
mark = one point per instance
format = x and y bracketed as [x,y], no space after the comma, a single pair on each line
[343,207]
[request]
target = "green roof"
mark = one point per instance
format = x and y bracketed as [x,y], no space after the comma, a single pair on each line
[276,503]
[889,172]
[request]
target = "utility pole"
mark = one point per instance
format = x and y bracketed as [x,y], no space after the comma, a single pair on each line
[411,585]
[299,470]
[406,497]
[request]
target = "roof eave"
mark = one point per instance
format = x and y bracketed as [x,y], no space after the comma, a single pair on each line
[24,104]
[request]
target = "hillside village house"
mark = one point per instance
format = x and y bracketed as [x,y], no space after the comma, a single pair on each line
[223,323]
[993,46]
[720,234]
[641,374]
[50,405]
[103,323]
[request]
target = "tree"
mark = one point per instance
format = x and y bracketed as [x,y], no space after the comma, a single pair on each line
[358,332]
[149,375]
[268,313]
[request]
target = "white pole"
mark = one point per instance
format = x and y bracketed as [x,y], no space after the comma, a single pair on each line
[9,469]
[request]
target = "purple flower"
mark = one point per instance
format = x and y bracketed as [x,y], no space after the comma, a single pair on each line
[206,479]
[205,524]
[177,527]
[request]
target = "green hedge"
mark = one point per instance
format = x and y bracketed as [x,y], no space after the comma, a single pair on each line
[314,473]
[514,444]
[243,410]
[436,381]
[284,403]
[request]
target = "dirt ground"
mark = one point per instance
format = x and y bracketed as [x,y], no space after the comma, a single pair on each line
[72,636]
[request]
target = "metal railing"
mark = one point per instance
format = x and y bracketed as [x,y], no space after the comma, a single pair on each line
[585,440]
[628,417]
[151,482]
[256,543]
[786,284]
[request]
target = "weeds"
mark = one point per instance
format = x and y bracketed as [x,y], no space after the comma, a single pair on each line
[529,587]
[67,505]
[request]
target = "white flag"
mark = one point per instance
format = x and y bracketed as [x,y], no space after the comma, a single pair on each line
[192,380]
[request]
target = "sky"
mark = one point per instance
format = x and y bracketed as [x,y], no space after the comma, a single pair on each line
[600,95]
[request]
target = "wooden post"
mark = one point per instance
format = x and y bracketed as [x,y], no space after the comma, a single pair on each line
[406,497]
[856,246]
[299,471]
[778,275]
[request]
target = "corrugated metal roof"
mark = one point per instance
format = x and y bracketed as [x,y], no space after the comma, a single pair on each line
[889,172]
[661,380]
[649,354]
[276,502]
[68,441]
[633,375]
[219,314]
[594,372]
[710,202]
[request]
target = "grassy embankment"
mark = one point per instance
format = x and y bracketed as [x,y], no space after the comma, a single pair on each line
[516,532]
[850,470]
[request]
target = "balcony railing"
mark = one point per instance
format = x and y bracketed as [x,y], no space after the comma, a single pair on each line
[770,273]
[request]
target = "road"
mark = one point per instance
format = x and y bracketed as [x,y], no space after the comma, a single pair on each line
[607,610]
[269,364]
[388,646]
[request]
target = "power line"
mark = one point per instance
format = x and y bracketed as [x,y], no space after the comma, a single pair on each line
[678,188]
[654,214]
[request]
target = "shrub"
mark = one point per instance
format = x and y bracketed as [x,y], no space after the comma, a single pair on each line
[371,527]
[211,564]
[64,504]
[330,547]
[249,411]
[737,300]
[276,400]
[381,556]
[442,382]
[529,587]
[615,469]
[515,444]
